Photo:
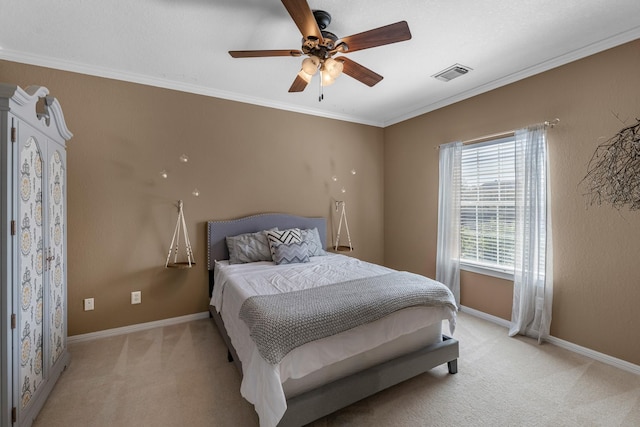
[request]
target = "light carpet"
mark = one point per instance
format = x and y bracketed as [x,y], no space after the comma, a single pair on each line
[179,376]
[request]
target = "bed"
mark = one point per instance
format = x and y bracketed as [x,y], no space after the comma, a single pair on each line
[321,375]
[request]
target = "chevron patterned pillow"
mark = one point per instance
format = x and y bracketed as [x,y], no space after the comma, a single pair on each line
[279,237]
[291,253]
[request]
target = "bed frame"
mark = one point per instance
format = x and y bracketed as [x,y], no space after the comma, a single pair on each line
[326,399]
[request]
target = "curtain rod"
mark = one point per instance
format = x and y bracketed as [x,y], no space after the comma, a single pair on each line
[546,123]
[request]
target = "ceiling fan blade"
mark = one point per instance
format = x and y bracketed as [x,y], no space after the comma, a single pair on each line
[388,34]
[262,53]
[359,72]
[303,17]
[299,84]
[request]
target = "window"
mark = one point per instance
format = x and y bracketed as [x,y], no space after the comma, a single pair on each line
[487,207]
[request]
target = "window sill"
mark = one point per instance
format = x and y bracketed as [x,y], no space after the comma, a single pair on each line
[475,268]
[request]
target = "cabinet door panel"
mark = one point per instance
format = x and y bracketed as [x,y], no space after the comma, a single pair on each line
[57,218]
[31,259]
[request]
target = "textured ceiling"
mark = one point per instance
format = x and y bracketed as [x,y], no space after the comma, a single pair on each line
[183,45]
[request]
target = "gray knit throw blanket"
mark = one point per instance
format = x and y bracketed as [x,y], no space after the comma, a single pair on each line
[281,322]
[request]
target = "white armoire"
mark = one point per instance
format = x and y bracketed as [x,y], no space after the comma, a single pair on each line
[33,252]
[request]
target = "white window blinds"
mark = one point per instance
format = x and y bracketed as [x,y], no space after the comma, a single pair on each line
[487,211]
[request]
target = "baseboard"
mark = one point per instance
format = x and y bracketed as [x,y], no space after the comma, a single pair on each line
[600,357]
[486,316]
[587,352]
[135,328]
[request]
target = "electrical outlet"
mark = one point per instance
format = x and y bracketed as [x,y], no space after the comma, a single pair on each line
[88,304]
[136,297]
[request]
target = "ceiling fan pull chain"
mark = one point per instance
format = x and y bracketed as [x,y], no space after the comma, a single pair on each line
[321,96]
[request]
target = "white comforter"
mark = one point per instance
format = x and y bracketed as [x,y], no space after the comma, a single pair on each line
[262,382]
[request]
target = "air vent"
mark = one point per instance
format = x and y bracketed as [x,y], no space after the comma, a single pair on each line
[452,72]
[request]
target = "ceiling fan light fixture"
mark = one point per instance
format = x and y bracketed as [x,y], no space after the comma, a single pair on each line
[333,68]
[326,79]
[310,65]
[320,45]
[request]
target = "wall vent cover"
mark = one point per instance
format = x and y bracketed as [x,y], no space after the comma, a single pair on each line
[452,72]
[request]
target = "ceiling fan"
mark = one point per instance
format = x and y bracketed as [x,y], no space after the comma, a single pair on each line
[320,46]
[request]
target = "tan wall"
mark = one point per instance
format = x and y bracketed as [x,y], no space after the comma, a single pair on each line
[596,268]
[121,213]
[244,159]
[486,293]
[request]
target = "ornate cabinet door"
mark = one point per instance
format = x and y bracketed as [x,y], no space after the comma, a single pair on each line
[56,253]
[31,263]
[33,251]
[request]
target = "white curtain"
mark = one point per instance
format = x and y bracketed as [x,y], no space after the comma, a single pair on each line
[533,278]
[448,253]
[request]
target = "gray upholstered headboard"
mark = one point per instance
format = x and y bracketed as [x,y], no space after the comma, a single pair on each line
[217,231]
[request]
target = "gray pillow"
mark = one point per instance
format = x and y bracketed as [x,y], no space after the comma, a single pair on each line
[249,247]
[312,238]
[291,253]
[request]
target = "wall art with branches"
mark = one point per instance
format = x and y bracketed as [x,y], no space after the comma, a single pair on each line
[613,173]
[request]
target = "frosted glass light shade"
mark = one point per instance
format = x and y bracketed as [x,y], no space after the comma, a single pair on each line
[327,80]
[310,65]
[333,67]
